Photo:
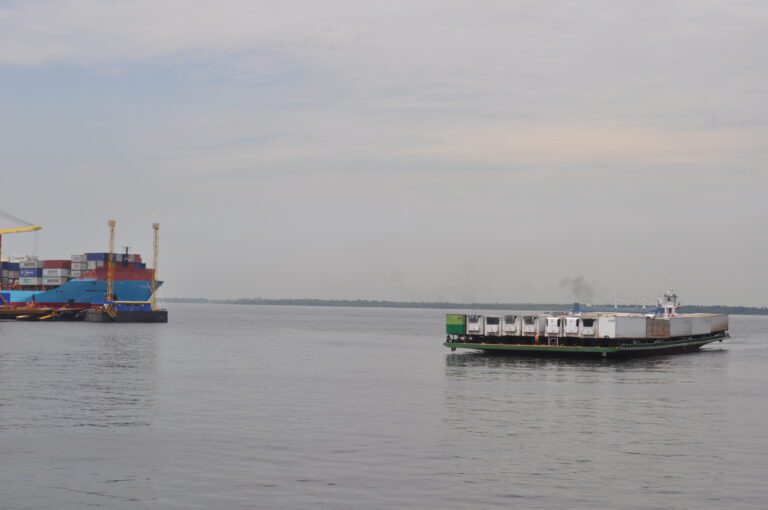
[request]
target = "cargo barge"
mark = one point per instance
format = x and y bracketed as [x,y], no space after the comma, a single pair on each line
[604,334]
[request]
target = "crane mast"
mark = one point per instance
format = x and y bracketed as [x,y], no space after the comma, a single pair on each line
[110,268]
[155,260]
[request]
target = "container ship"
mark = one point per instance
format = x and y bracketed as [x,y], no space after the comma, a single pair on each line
[605,334]
[78,283]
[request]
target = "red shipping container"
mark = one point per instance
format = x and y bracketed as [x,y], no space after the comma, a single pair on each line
[57,264]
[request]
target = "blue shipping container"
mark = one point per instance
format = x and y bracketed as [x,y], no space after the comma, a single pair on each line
[26,272]
[133,307]
[103,257]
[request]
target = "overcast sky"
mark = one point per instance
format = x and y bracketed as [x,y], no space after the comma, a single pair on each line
[411,150]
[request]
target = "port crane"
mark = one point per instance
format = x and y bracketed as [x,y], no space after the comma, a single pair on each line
[24,227]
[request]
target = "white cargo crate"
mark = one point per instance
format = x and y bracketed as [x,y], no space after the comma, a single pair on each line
[511,325]
[31,264]
[680,326]
[79,266]
[80,258]
[492,326]
[475,325]
[630,326]
[30,280]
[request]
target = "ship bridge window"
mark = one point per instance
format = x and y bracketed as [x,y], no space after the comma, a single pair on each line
[493,321]
[588,323]
[474,319]
[528,320]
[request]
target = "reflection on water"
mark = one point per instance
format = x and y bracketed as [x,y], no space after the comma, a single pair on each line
[554,430]
[502,360]
[94,378]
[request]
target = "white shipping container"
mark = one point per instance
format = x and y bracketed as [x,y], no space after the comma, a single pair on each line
[79,266]
[79,258]
[475,325]
[533,325]
[554,326]
[493,326]
[700,325]
[680,326]
[588,326]
[606,326]
[30,264]
[55,272]
[571,326]
[30,280]
[55,280]
[630,327]
[91,264]
[718,323]
[511,325]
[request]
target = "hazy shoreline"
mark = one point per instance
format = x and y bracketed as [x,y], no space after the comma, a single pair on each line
[371,303]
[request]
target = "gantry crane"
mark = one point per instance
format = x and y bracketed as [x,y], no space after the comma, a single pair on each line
[26,227]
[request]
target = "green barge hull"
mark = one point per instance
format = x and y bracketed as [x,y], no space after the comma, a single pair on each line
[497,345]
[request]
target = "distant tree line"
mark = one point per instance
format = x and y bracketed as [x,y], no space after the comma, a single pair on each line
[372,303]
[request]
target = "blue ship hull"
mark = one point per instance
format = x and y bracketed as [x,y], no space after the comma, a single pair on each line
[86,291]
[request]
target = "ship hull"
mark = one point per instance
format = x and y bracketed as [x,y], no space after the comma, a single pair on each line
[126,316]
[82,293]
[628,348]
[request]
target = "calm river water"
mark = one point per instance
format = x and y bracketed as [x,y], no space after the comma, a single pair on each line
[236,407]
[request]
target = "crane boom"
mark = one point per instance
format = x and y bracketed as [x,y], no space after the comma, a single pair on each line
[20,230]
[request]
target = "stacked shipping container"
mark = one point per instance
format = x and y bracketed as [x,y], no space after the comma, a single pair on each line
[9,274]
[31,272]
